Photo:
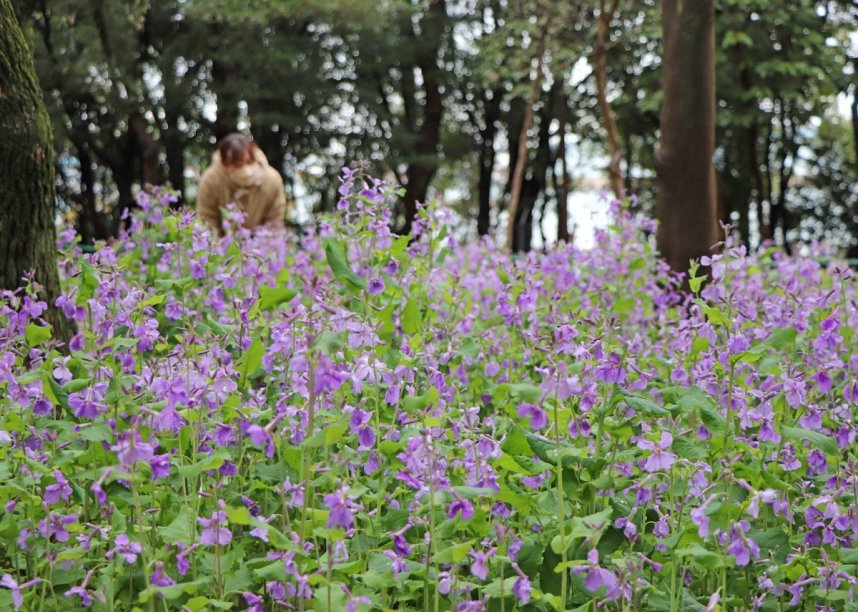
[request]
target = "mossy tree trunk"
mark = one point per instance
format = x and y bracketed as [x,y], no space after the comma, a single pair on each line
[27,229]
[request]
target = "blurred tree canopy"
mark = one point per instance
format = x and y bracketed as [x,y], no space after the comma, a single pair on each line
[435,94]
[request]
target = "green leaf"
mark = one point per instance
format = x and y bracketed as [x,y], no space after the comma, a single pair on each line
[591,527]
[705,558]
[516,442]
[78,384]
[238,515]
[453,554]
[826,444]
[37,334]
[849,556]
[250,361]
[496,588]
[335,253]
[96,432]
[781,338]
[153,301]
[180,530]
[329,597]
[399,245]
[688,449]
[328,342]
[174,591]
[212,462]
[53,391]
[693,399]
[412,318]
[525,391]
[271,297]
[413,403]
[643,404]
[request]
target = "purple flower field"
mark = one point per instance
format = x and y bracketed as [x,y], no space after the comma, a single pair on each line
[360,422]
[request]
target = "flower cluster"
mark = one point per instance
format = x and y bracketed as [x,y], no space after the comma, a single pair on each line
[366,421]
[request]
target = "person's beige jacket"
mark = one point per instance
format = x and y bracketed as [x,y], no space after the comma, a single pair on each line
[256,188]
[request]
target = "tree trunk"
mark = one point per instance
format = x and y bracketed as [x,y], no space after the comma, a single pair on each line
[491,114]
[148,150]
[521,162]
[223,76]
[854,109]
[27,229]
[686,203]
[562,188]
[534,183]
[421,171]
[600,69]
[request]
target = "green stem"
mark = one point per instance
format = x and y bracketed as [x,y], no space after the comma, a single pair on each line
[561,510]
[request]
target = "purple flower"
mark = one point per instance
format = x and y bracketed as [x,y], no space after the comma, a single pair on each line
[159,576]
[59,490]
[215,531]
[260,437]
[538,418]
[352,606]
[223,434]
[376,286]
[699,518]
[125,548]
[254,602]
[84,404]
[339,514]
[160,465]
[479,567]
[392,394]
[660,459]
[742,547]
[85,598]
[461,506]
[17,598]
[359,424]
[132,449]
[401,545]
[521,589]
[276,590]
[53,526]
[596,577]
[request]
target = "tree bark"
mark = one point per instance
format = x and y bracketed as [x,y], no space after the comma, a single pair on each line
[686,204]
[491,114]
[521,162]
[600,69]
[27,229]
[562,188]
[421,171]
[148,150]
[854,109]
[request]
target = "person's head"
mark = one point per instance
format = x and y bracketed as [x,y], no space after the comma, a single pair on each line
[236,150]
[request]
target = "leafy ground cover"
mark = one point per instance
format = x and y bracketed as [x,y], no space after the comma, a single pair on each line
[367,423]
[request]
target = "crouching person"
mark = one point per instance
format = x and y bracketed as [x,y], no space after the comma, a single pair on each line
[240,174]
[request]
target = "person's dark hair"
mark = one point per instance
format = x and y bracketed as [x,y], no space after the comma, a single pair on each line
[232,148]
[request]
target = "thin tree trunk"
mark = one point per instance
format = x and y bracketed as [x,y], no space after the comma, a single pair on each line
[600,69]
[147,148]
[854,108]
[420,173]
[759,180]
[27,229]
[491,114]
[562,189]
[521,162]
[686,204]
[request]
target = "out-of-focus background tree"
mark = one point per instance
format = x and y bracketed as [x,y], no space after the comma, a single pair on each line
[443,96]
